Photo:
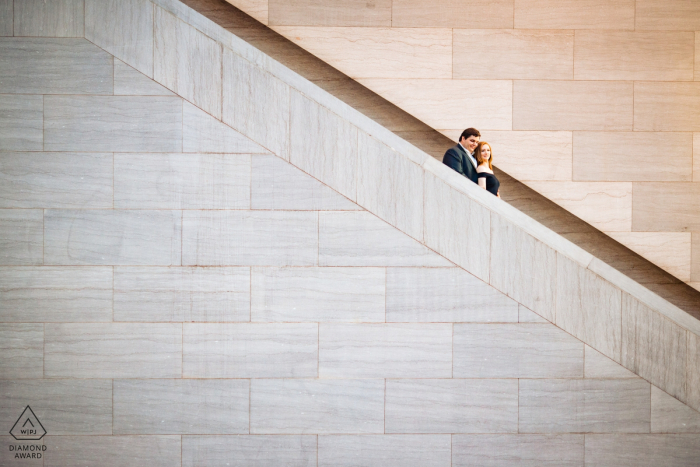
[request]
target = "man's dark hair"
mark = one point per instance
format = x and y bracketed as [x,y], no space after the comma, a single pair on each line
[470,132]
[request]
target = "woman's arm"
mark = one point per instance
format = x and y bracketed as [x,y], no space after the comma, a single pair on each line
[482,182]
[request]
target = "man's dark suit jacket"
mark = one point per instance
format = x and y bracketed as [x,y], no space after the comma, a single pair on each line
[458,159]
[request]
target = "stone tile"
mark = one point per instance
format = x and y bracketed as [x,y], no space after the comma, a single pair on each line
[250,350]
[318,294]
[64,406]
[55,294]
[523,267]
[378,52]
[666,207]
[21,123]
[251,451]
[21,236]
[22,347]
[256,104]
[55,180]
[520,450]
[655,56]
[696,150]
[6,18]
[669,415]
[512,54]
[451,406]
[695,257]
[448,103]
[203,133]
[528,316]
[187,62]
[250,238]
[515,351]
[584,405]
[123,28]
[390,186]
[361,239]
[106,237]
[112,451]
[130,82]
[605,205]
[636,155]
[276,184]
[588,307]
[677,15]
[7,457]
[693,375]
[384,450]
[32,65]
[385,351]
[257,9]
[180,406]
[181,294]
[447,14]
[316,406]
[653,347]
[323,145]
[666,106]
[451,218]
[574,105]
[631,450]
[57,18]
[597,365]
[574,14]
[444,295]
[113,350]
[113,124]
[181,181]
[344,13]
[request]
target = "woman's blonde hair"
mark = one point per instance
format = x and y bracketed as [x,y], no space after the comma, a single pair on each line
[477,154]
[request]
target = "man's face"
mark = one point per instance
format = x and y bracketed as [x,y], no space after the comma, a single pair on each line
[470,143]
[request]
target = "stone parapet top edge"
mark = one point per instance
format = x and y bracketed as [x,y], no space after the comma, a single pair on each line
[429,164]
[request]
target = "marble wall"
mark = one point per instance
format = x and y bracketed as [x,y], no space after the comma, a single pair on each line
[591,103]
[180,285]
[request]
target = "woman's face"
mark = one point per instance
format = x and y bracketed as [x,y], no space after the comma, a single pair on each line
[485,153]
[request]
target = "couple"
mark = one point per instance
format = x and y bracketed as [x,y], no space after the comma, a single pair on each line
[473,159]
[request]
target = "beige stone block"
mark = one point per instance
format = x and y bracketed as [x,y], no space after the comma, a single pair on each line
[323,145]
[621,55]
[378,52]
[112,451]
[450,103]
[21,236]
[512,54]
[523,267]
[6,17]
[695,285]
[693,368]
[696,153]
[55,294]
[522,450]
[668,250]
[131,82]
[632,156]
[21,123]
[123,28]
[574,14]
[573,105]
[55,18]
[666,207]
[695,257]
[113,350]
[605,205]
[588,307]
[457,227]
[653,347]
[384,450]
[514,152]
[250,450]
[187,62]
[338,13]
[666,15]
[666,106]
[596,365]
[258,9]
[669,415]
[697,56]
[637,450]
[22,347]
[528,316]
[447,13]
[390,186]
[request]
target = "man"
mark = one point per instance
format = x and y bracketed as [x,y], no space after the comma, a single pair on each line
[461,157]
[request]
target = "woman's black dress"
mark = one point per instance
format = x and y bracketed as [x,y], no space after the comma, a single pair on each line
[492,183]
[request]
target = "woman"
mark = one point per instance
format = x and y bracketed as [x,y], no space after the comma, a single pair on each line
[484,170]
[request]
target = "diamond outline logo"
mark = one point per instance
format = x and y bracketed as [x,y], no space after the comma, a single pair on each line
[27,417]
